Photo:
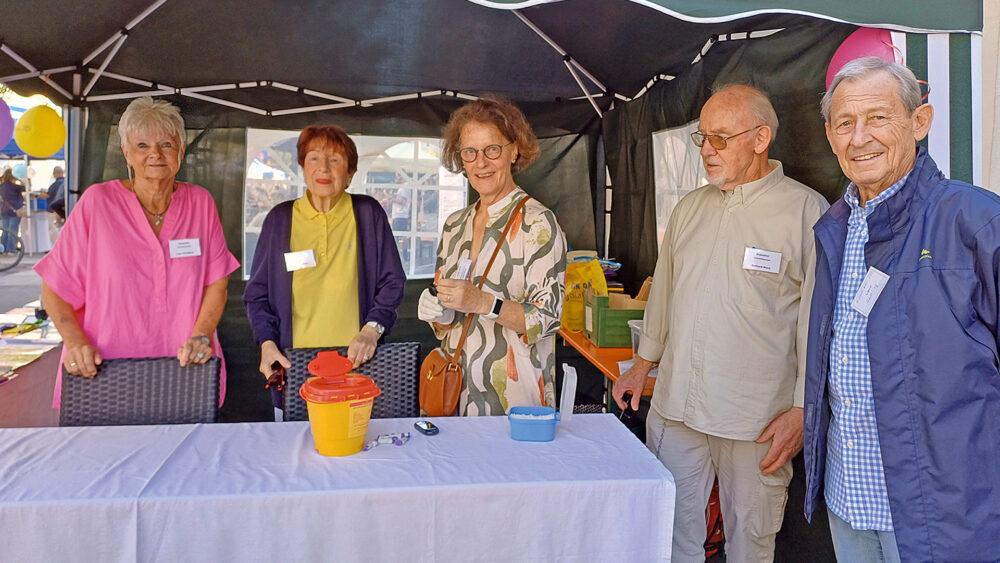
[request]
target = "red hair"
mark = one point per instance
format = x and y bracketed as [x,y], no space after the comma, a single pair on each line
[328,136]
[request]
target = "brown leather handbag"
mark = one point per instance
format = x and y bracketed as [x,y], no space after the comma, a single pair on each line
[441,373]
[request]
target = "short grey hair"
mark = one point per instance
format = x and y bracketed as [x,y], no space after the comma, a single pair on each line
[146,113]
[759,103]
[909,88]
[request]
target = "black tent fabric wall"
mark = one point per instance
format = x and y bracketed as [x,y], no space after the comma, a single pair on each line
[790,64]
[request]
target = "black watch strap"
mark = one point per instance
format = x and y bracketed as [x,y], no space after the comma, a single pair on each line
[495,309]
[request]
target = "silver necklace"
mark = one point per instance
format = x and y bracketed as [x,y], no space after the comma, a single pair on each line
[156,218]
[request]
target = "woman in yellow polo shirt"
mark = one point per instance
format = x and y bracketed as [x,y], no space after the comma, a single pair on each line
[326,271]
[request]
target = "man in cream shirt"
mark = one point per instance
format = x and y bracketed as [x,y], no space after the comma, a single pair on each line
[727,323]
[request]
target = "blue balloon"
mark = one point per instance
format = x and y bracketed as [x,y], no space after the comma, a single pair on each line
[20,171]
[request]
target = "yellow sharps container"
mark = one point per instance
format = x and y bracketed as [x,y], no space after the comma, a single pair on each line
[339,404]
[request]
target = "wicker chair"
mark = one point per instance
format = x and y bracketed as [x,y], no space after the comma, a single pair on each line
[589,409]
[142,391]
[394,369]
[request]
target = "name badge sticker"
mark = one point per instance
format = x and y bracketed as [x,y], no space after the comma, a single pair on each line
[761,260]
[185,247]
[299,260]
[463,269]
[871,287]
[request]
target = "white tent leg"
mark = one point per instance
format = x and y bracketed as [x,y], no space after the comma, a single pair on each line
[73,116]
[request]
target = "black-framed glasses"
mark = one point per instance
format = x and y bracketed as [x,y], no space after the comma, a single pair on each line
[492,152]
[718,142]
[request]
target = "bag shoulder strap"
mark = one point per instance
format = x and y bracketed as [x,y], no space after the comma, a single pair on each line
[482,279]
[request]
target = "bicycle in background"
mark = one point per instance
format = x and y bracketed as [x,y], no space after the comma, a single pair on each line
[10,257]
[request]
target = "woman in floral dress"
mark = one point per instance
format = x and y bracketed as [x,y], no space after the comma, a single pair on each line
[509,357]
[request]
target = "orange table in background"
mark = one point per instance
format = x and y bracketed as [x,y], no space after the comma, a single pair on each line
[604,359]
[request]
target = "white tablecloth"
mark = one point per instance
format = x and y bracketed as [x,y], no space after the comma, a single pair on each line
[259,492]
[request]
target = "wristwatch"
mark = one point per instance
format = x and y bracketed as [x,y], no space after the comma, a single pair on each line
[378,328]
[495,309]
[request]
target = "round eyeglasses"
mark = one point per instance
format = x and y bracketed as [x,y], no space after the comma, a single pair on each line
[492,152]
[718,142]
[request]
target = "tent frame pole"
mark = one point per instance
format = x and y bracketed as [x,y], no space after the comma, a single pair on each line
[340,102]
[308,109]
[104,65]
[559,50]
[130,80]
[308,92]
[36,74]
[101,49]
[129,95]
[221,102]
[20,60]
[117,39]
[586,93]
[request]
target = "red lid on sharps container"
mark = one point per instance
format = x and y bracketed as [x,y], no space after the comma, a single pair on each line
[333,382]
[330,364]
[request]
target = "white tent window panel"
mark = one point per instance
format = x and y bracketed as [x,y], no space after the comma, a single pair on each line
[403,174]
[677,171]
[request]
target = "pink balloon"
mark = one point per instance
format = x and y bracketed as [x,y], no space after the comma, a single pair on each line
[6,124]
[865,42]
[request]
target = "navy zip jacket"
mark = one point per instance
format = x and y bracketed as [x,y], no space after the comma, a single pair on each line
[268,294]
[932,338]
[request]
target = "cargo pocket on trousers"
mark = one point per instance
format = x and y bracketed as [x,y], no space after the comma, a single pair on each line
[771,501]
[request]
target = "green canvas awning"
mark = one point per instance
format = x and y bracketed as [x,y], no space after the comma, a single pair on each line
[920,16]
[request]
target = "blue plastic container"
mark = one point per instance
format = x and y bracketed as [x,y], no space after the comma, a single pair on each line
[538,424]
[540,429]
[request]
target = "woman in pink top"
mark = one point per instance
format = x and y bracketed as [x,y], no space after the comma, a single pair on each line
[141,267]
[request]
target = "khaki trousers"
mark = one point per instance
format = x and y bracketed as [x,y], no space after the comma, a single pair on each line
[752,503]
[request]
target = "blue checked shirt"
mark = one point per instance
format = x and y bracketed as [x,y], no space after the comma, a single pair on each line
[855,481]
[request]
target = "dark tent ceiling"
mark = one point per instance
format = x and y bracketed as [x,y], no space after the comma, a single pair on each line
[358,50]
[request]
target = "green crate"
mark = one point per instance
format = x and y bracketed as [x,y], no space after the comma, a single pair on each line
[606,319]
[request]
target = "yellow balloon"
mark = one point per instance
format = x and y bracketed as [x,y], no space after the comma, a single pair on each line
[40,132]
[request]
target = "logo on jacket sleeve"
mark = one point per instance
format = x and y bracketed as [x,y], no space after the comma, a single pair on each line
[925,254]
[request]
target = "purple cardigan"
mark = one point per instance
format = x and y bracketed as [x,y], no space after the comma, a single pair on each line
[268,294]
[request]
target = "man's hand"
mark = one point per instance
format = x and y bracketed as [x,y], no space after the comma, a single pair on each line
[785,433]
[632,381]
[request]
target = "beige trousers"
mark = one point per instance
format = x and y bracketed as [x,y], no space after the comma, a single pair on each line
[752,503]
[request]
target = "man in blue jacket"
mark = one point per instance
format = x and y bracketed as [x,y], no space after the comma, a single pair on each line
[902,390]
